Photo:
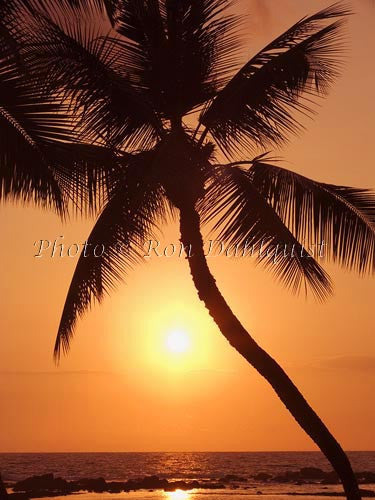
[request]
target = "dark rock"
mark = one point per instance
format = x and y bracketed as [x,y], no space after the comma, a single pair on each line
[231,477]
[152,482]
[49,486]
[44,493]
[312,473]
[262,476]
[195,484]
[366,477]
[116,486]
[287,477]
[46,482]
[96,485]
[215,486]
[330,478]
[367,493]
[306,475]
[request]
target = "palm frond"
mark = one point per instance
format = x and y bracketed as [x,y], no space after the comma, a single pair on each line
[111,8]
[70,57]
[28,122]
[86,173]
[340,216]
[185,49]
[242,218]
[40,158]
[128,219]
[25,174]
[258,106]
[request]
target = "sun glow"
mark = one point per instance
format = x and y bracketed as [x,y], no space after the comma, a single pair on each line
[178,495]
[173,338]
[178,341]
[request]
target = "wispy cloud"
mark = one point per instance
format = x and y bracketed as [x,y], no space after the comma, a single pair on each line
[350,363]
[347,363]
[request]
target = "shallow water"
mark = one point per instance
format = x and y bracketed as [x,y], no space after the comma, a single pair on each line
[186,466]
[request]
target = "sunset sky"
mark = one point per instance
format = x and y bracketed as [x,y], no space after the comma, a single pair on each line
[127,385]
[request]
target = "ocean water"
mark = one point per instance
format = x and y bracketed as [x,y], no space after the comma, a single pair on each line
[169,465]
[182,465]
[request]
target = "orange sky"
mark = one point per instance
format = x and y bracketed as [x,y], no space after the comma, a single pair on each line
[120,389]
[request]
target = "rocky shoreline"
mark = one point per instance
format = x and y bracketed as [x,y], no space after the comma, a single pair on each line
[48,485]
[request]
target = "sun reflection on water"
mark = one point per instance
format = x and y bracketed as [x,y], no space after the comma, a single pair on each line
[178,495]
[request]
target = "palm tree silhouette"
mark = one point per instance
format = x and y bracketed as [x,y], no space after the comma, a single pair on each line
[94,100]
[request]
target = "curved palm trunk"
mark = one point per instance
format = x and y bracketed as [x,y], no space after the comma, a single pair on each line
[239,338]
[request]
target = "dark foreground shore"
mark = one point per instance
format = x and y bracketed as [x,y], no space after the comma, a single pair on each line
[48,485]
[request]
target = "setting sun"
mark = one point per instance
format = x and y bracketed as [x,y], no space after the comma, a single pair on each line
[177,341]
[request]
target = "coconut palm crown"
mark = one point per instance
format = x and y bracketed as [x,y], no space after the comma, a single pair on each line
[127,108]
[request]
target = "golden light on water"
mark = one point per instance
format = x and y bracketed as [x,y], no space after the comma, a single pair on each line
[178,495]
